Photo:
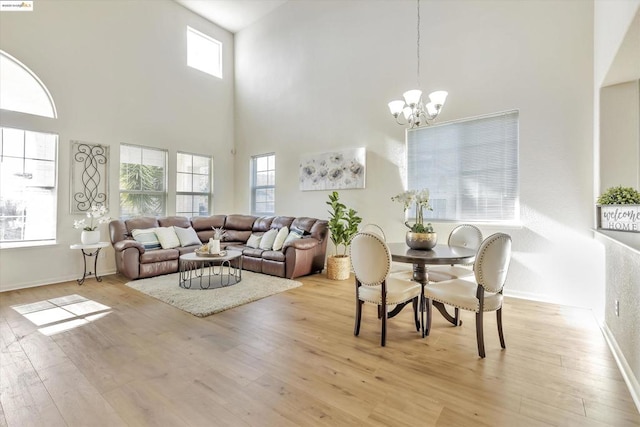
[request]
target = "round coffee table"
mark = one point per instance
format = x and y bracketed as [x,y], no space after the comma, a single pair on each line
[210,271]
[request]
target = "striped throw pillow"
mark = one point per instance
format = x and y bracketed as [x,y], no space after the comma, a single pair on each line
[147,237]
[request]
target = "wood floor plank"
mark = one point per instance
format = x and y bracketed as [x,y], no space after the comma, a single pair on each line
[292,359]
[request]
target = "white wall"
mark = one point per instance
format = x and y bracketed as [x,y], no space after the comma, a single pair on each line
[315,76]
[117,72]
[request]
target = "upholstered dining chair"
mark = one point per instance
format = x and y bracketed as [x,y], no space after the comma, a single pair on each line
[467,236]
[482,295]
[371,262]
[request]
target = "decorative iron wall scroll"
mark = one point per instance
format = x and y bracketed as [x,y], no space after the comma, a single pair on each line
[89,176]
[334,170]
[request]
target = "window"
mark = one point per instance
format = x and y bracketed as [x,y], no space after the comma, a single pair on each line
[263,184]
[204,53]
[28,194]
[470,168]
[143,180]
[193,185]
[22,90]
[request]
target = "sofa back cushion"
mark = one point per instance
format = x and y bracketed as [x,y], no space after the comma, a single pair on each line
[282,221]
[178,221]
[238,227]
[141,222]
[204,225]
[262,224]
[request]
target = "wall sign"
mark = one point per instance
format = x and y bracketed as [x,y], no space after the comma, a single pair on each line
[620,217]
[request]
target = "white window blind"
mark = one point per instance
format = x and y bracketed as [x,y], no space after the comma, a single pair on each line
[470,168]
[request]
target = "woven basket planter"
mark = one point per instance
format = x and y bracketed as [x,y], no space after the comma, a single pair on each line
[338,267]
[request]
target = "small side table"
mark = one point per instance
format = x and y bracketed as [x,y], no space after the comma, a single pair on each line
[90,251]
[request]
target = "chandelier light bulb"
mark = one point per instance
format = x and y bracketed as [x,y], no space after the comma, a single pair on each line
[396,107]
[438,97]
[412,97]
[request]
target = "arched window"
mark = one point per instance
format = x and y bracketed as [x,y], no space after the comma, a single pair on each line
[22,90]
[28,159]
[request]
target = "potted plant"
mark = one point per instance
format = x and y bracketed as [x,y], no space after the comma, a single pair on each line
[90,233]
[619,209]
[343,225]
[420,235]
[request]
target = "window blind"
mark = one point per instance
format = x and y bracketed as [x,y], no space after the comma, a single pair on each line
[470,168]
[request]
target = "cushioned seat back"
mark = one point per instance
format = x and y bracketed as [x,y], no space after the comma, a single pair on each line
[178,221]
[492,262]
[370,258]
[467,236]
[141,223]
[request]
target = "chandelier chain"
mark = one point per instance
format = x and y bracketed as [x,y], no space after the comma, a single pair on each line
[418,43]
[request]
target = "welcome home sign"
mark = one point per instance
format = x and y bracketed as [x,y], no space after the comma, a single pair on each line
[620,217]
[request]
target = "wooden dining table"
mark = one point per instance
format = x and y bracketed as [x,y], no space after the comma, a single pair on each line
[422,259]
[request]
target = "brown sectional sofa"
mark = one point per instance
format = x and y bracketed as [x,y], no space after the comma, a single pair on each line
[297,258]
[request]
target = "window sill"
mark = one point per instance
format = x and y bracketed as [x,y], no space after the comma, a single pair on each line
[19,245]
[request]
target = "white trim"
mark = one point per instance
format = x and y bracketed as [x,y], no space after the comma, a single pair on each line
[625,369]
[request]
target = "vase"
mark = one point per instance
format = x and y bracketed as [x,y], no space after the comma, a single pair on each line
[90,237]
[421,241]
[214,246]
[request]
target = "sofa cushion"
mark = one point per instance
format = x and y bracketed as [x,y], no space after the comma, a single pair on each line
[235,235]
[254,241]
[147,237]
[239,222]
[187,236]
[273,255]
[293,235]
[167,237]
[178,221]
[262,223]
[268,238]
[141,223]
[280,238]
[253,252]
[159,256]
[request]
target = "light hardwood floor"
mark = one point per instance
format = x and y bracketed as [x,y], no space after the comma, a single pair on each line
[292,360]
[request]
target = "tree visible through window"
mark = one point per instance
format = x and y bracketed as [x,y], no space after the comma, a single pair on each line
[193,185]
[28,193]
[142,181]
[263,184]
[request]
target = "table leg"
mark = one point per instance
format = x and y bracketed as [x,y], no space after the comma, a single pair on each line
[85,273]
[421,275]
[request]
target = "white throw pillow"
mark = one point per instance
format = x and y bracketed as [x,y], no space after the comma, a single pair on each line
[187,236]
[254,241]
[293,235]
[268,238]
[148,238]
[167,237]
[280,237]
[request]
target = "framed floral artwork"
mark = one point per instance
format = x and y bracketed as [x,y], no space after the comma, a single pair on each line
[333,170]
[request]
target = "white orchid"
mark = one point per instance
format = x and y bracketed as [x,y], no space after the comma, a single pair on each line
[96,215]
[419,198]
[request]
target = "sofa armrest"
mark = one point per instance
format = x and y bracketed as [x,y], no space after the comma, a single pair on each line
[125,244]
[304,243]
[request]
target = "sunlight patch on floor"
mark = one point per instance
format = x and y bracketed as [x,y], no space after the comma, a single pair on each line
[62,314]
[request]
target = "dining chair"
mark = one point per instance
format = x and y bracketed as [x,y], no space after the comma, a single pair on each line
[371,262]
[482,295]
[466,236]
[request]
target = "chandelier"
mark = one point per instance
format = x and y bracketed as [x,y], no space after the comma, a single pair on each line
[414,111]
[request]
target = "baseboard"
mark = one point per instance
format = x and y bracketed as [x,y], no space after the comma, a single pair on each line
[625,369]
[528,296]
[51,281]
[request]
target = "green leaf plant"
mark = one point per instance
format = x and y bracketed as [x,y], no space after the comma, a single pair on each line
[619,196]
[343,223]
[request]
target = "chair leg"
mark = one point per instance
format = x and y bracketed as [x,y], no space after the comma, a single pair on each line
[379,312]
[479,334]
[356,329]
[383,338]
[499,318]
[415,313]
[457,316]
[429,309]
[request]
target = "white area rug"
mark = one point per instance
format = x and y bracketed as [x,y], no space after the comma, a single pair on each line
[204,302]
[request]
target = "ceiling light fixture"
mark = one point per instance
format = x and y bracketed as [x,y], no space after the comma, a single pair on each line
[414,111]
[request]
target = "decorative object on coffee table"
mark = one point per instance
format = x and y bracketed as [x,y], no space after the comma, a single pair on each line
[343,225]
[419,236]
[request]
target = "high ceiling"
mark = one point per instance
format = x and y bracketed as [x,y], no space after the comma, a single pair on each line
[232,15]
